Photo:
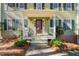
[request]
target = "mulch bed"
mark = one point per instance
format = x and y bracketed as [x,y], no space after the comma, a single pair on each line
[8,50]
[68,47]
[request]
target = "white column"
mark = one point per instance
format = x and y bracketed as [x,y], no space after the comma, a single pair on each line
[54,27]
[23,27]
[77,23]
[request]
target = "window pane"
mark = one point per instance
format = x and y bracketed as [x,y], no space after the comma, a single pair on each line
[11,4]
[21,5]
[38,5]
[54,5]
[51,23]
[67,6]
[17,5]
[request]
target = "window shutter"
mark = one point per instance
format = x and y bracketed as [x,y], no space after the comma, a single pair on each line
[73,25]
[64,6]
[43,5]
[34,5]
[65,26]
[5,24]
[72,6]
[59,23]
[25,5]
[59,6]
[51,6]
[17,5]
[13,4]
[51,23]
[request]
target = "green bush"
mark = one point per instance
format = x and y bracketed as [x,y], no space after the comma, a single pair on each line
[56,42]
[20,43]
[59,31]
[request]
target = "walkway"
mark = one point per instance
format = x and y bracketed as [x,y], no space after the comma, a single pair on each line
[41,50]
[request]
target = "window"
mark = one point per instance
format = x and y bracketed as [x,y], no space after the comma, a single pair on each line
[54,5]
[17,5]
[21,5]
[11,4]
[68,6]
[51,23]
[68,25]
[38,5]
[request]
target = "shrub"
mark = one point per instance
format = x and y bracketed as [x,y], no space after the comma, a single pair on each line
[20,43]
[56,42]
[59,31]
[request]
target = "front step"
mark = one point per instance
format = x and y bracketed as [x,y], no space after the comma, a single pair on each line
[39,41]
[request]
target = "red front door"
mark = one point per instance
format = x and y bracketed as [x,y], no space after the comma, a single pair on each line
[38,26]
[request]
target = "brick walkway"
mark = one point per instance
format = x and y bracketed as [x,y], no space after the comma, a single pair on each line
[41,50]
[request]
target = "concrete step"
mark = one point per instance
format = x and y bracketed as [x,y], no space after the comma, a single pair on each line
[39,41]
